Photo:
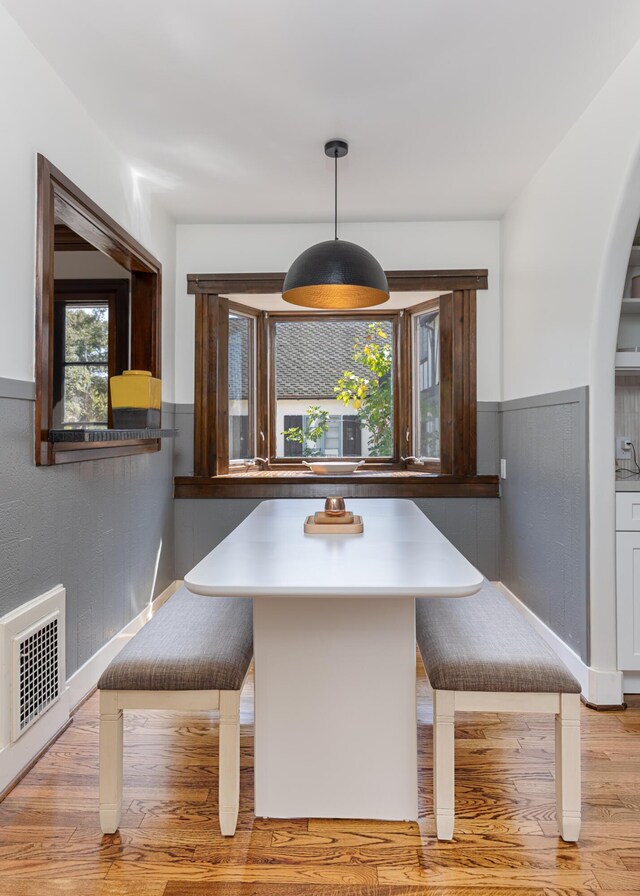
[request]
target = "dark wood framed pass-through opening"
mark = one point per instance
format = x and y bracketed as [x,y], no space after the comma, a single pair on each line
[68,220]
[454,473]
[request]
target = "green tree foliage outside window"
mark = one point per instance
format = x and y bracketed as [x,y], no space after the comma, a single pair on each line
[86,365]
[369,392]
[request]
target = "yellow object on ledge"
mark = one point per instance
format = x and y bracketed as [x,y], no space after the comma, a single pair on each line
[136,399]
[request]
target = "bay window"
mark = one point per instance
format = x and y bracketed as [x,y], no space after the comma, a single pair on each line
[395,388]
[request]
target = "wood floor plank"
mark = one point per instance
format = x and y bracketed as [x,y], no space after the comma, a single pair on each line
[315,855]
[53,816]
[315,874]
[17,833]
[630,858]
[480,878]
[591,830]
[51,867]
[18,886]
[140,839]
[619,880]
[202,888]
[341,838]
[458,856]
[486,827]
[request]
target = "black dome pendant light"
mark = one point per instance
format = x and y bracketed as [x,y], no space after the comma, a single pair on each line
[335,274]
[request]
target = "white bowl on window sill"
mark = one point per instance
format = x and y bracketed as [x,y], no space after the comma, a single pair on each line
[328,468]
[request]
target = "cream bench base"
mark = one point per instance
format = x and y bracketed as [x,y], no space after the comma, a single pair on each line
[565,707]
[112,704]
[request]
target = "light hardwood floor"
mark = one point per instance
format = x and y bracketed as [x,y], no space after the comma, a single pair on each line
[169,843]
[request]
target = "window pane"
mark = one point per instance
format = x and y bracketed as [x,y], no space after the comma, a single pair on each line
[87,333]
[85,394]
[334,388]
[240,375]
[426,342]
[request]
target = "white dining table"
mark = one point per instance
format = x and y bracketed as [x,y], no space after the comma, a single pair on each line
[334,650]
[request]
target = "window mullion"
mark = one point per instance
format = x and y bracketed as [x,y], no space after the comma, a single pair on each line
[446,384]
[404,367]
[464,383]
[222,362]
[262,385]
[211,425]
[269,374]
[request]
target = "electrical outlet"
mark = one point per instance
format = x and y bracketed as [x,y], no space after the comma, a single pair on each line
[503,468]
[623,448]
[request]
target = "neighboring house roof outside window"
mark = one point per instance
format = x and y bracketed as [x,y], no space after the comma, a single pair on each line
[238,358]
[311,356]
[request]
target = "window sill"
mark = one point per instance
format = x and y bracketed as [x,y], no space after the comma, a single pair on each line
[293,484]
[72,452]
[67,446]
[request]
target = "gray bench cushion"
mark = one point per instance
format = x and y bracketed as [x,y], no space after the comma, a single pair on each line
[193,643]
[482,643]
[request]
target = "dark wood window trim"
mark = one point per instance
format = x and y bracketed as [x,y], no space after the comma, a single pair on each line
[61,202]
[457,476]
[393,484]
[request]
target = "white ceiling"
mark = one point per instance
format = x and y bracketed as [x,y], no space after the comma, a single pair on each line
[224,106]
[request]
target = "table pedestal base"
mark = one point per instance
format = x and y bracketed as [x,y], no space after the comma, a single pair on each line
[335,708]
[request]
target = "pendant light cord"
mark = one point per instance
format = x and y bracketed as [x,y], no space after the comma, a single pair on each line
[335,201]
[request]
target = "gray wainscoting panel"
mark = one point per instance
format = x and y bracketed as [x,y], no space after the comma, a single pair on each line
[17,389]
[545,510]
[104,529]
[183,443]
[202,523]
[489,437]
[472,525]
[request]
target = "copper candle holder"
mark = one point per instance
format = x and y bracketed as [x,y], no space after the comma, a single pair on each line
[334,506]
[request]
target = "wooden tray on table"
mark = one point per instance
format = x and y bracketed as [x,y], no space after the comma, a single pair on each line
[312,527]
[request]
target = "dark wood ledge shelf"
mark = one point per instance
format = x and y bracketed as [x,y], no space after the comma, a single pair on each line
[290,484]
[67,446]
[108,435]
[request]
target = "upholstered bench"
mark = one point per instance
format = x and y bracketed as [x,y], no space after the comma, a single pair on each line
[193,655]
[480,654]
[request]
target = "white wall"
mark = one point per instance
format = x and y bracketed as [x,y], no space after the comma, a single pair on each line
[206,249]
[40,114]
[566,242]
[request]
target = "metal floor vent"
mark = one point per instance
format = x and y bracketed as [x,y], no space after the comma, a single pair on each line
[32,652]
[36,659]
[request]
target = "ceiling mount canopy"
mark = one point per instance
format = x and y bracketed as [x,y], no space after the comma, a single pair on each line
[335,274]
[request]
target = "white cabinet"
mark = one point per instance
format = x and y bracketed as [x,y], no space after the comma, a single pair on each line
[628,512]
[628,579]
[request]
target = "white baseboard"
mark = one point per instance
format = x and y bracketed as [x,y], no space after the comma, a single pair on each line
[16,757]
[598,688]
